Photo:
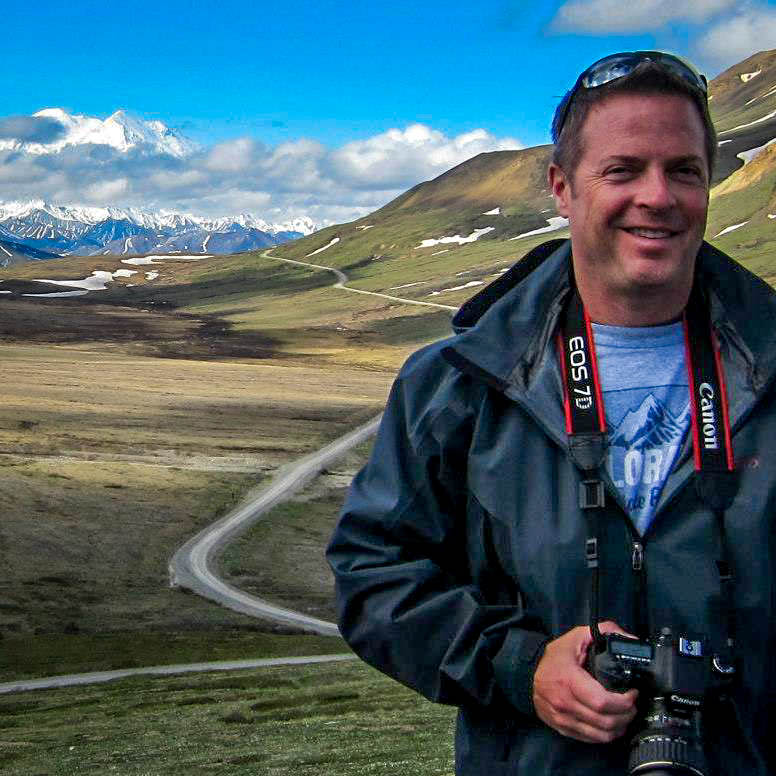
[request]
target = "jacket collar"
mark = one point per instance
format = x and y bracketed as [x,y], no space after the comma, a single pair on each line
[501,330]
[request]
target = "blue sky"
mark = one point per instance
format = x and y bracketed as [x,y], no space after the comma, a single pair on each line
[336,73]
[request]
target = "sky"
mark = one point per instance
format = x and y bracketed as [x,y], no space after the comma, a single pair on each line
[325,109]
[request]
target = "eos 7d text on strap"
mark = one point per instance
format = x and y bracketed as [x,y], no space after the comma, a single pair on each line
[586,428]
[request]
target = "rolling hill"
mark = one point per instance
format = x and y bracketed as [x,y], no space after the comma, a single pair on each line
[497,199]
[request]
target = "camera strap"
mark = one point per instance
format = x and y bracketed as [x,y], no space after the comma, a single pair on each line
[711,436]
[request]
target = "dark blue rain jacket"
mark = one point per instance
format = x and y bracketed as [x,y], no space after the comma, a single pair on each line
[460,549]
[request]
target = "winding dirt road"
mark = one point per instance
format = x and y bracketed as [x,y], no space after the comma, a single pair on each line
[190,567]
[342,278]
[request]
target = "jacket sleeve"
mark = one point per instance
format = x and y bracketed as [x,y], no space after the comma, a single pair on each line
[406,601]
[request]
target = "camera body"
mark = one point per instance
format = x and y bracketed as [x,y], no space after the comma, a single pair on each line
[675,678]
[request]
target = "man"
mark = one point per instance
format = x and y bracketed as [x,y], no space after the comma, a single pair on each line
[467,546]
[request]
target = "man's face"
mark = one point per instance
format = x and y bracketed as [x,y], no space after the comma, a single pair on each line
[636,206]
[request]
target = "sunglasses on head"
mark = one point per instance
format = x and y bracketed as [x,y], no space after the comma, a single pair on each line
[617,66]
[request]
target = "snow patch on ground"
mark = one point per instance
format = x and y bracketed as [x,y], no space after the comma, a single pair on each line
[152,275]
[771,215]
[96,282]
[155,259]
[730,229]
[6,292]
[770,91]
[495,212]
[750,123]
[475,235]
[555,223]
[333,242]
[470,284]
[406,285]
[747,156]
[444,250]
[722,142]
[749,76]
[368,226]
[60,294]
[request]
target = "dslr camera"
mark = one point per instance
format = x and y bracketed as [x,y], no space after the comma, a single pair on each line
[676,681]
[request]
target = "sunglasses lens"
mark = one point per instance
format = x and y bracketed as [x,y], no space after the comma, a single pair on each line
[609,69]
[619,65]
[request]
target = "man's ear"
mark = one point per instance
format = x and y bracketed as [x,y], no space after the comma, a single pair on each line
[560,188]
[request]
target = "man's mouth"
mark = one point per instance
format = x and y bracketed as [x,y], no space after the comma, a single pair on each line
[650,234]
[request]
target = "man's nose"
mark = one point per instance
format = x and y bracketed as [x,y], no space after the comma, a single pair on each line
[655,191]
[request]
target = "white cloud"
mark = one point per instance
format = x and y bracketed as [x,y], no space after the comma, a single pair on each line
[107,191]
[174,179]
[232,156]
[394,158]
[737,37]
[302,177]
[614,16]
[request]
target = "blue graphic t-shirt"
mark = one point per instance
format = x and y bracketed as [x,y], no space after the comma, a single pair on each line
[644,384]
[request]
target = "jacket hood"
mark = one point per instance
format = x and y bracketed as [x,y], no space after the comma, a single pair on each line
[504,329]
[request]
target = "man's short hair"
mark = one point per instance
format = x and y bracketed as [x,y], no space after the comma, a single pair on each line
[647,78]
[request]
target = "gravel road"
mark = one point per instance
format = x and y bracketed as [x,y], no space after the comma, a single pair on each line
[190,567]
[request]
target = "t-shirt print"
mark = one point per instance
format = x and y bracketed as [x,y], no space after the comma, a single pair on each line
[647,406]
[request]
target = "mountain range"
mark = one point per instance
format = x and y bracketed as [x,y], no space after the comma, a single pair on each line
[38,230]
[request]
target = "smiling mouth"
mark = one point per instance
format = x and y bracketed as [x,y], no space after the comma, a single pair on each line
[651,234]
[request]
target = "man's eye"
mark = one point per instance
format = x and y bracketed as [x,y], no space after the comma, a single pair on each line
[689,171]
[619,170]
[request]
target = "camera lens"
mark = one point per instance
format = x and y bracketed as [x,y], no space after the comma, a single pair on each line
[670,743]
[658,755]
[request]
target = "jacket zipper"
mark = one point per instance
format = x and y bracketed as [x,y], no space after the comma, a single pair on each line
[638,556]
[639,585]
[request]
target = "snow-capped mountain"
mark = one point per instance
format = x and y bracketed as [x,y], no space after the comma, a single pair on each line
[87,231]
[651,425]
[120,131]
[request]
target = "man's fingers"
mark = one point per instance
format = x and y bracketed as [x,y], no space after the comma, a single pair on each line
[586,711]
[609,626]
[570,700]
[593,708]
[588,692]
[574,719]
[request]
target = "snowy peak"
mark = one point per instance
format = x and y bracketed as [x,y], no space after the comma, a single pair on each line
[303,225]
[121,131]
[39,211]
[62,230]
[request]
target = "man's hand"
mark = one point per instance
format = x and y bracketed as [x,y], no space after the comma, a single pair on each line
[569,700]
